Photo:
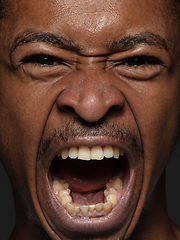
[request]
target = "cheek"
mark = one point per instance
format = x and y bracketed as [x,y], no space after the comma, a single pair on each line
[24,110]
[22,119]
[157,113]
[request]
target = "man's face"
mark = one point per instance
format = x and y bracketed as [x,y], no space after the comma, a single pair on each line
[82,80]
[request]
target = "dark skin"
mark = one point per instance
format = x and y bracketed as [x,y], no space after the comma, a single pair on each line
[102,67]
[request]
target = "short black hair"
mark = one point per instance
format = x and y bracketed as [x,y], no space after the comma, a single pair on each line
[176,8]
[1,9]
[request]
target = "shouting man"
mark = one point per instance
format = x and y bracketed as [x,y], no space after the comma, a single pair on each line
[90,113]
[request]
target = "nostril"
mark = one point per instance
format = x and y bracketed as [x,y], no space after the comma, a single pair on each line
[115,108]
[67,109]
[90,103]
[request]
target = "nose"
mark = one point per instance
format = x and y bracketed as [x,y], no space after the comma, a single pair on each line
[91,98]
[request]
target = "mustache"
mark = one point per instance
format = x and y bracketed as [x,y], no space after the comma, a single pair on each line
[73,130]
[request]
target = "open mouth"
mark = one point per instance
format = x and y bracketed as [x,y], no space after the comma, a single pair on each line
[90,189]
[89,181]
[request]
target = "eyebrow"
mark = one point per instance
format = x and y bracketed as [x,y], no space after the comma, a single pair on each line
[128,42]
[32,36]
[116,45]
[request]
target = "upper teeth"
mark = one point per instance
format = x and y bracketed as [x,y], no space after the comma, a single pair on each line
[88,153]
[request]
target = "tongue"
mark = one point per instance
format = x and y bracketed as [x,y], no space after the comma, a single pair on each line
[87,176]
[89,198]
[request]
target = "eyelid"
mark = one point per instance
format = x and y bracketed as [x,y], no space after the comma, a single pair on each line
[34,60]
[139,73]
[26,51]
[151,52]
[150,68]
[148,60]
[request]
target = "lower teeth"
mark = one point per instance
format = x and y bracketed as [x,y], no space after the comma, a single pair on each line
[61,188]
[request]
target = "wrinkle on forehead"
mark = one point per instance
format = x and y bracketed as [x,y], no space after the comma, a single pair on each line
[89,23]
[92,15]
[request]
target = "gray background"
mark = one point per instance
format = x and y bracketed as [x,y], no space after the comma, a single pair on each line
[7,216]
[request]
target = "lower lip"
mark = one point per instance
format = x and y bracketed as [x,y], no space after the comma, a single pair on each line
[63,223]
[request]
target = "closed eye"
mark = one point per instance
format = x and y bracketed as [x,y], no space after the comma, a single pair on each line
[139,67]
[44,60]
[45,67]
[140,61]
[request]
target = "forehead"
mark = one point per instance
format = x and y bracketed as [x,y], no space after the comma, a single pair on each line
[89,23]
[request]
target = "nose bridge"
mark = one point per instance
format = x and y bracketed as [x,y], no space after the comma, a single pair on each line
[92,85]
[91,94]
[92,100]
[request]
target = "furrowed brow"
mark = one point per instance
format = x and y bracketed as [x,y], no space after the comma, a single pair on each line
[131,41]
[39,36]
